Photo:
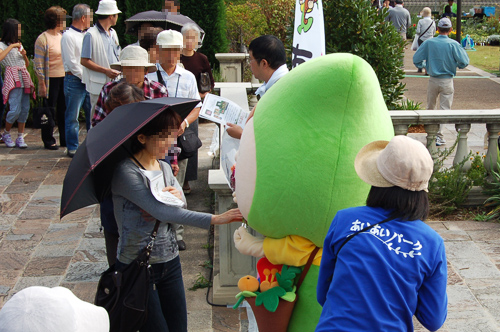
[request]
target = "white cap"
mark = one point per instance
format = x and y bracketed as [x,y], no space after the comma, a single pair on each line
[40,309]
[170,39]
[444,23]
[134,56]
[107,7]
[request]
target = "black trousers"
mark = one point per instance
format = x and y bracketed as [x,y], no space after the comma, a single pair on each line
[56,100]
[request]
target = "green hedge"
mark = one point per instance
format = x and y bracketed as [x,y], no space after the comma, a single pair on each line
[210,15]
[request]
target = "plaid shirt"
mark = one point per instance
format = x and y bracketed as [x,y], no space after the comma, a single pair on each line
[151,90]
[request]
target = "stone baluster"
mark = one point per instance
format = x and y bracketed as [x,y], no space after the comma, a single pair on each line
[490,162]
[229,264]
[400,129]
[431,130]
[462,146]
[231,66]
[253,98]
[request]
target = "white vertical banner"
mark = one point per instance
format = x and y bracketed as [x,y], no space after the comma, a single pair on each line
[309,31]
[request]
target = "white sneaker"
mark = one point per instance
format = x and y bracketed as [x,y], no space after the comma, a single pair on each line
[20,142]
[7,139]
[440,141]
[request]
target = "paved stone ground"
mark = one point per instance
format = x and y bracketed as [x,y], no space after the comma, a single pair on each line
[36,248]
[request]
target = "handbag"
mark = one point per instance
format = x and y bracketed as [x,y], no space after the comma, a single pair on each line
[278,321]
[204,85]
[189,142]
[420,41]
[43,114]
[124,292]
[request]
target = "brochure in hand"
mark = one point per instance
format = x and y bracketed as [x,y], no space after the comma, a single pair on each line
[222,110]
[156,184]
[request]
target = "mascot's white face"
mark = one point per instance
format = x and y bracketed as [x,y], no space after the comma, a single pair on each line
[246,169]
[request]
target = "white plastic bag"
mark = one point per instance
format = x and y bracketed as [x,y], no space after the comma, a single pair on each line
[414,45]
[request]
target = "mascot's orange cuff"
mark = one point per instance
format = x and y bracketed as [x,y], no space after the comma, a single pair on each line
[291,250]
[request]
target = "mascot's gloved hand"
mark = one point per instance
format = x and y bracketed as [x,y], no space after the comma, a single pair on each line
[248,244]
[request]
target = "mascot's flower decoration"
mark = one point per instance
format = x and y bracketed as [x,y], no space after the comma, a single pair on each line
[295,167]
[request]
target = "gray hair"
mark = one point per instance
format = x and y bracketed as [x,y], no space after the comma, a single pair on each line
[80,10]
[190,27]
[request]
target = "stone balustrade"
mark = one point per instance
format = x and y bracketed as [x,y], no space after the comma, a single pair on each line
[462,120]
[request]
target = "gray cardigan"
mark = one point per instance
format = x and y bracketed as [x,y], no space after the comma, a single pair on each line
[131,194]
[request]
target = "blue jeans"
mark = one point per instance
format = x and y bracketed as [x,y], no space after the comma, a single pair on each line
[19,103]
[75,96]
[167,311]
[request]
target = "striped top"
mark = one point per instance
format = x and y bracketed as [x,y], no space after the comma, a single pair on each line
[13,59]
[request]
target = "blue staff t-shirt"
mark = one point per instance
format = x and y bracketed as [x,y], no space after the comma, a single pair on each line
[382,277]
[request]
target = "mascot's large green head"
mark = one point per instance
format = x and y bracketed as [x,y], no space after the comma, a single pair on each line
[295,167]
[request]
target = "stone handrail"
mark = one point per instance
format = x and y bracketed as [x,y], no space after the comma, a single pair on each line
[462,119]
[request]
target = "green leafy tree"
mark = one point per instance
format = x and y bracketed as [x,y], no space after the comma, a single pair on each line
[244,23]
[354,26]
[211,17]
[279,15]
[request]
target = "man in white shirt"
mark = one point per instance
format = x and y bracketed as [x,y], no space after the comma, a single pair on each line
[268,64]
[75,92]
[100,49]
[180,83]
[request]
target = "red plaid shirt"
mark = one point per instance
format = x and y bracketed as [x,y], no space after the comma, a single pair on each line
[151,90]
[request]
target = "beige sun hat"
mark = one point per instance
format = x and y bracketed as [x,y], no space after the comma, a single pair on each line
[37,309]
[170,39]
[134,56]
[107,7]
[402,162]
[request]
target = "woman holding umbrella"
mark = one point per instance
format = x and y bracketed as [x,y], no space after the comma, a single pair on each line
[136,209]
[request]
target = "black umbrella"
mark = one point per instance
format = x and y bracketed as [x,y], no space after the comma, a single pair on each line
[88,178]
[162,19]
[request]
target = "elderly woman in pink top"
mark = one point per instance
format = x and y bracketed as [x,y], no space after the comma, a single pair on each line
[50,71]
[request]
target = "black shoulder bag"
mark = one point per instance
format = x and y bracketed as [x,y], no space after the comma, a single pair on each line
[420,41]
[204,85]
[124,293]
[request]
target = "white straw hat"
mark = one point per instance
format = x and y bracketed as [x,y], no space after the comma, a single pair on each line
[402,162]
[107,7]
[40,309]
[170,39]
[134,56]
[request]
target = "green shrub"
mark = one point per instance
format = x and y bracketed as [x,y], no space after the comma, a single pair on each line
[477,173]
[407,105]
[279,15]
[449,187]
[244,23]
[354,26]
[492,189]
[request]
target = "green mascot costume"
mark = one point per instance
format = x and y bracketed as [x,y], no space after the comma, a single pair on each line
[295,167]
